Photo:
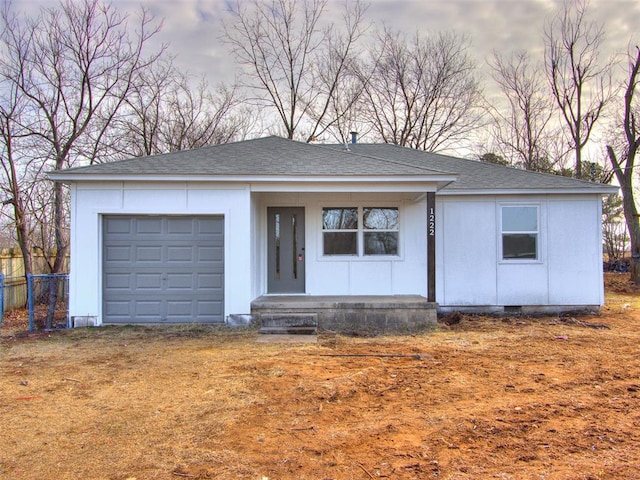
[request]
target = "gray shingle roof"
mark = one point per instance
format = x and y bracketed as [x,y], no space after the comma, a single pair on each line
[476,175]
[273,156]
[276,156]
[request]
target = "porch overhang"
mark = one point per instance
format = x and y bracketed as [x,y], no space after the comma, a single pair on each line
[281,183]
[354,184]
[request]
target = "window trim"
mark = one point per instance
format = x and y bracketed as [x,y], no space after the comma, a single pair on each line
[340,230]
[360,231]
[537,233]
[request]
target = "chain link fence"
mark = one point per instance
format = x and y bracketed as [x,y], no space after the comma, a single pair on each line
[48,301]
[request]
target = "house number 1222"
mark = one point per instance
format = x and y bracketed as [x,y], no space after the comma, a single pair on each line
[432,222]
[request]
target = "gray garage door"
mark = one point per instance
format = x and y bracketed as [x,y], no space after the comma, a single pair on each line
[163,269]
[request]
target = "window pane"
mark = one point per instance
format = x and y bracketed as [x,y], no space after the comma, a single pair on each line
[337,243]
[519,219]
[380,218]
[380,243]
[519,246]
[340,218]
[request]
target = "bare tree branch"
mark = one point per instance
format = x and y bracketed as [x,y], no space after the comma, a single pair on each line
[74,65]
[292,64]
[580,83]
[423,93]
[522,129]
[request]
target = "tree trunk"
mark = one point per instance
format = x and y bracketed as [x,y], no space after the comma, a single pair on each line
[61,251]
[59,229]
[631,217]
[630,212]
[578,172]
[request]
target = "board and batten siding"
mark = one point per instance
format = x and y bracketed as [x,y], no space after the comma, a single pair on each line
[404,274]
[93,200]
[471,272]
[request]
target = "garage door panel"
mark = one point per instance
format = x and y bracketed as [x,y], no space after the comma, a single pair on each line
[151,225]
[210,281]
[118,226]
[148,253]
[181,281]
[118,308]
[118,281]
[180,226]
[210,226]
[209,309]
[179,308]
[148,308]
[180,254]
[148,281]
[163,269]
[210,254]
[118,254]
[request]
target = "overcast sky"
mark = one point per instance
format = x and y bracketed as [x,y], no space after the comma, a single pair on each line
[192,28]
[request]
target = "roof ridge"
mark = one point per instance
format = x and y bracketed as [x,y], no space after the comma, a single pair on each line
[333,146]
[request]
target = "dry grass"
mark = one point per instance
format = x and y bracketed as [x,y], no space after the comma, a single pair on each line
[515,398]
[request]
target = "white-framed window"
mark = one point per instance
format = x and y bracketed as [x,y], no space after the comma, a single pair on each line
[360,231]
[520,232]
[340,230]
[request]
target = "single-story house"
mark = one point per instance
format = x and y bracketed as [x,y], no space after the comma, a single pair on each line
[215,233]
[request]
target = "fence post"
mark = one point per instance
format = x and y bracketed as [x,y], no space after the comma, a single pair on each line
[30,300]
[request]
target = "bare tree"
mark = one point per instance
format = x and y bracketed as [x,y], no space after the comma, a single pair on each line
[17,172]
[580,83]
[614,233]
[292,63]
[74,65]
[165,112]
[422,93]
[522,129]
[347,108]
[622,153]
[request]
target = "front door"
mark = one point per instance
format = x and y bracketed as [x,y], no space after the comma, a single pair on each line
[286,255]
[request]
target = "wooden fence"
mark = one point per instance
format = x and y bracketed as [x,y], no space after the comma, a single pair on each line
[15,282]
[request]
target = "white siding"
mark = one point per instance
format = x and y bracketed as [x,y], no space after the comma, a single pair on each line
[469,269]
[91,200]
[575,261]
[404,274]
[568,271]
[466,248]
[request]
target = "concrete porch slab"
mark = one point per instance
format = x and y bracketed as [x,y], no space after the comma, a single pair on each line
[358,314]
[311,302]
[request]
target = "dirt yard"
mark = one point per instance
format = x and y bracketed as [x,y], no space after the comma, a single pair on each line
[513,398]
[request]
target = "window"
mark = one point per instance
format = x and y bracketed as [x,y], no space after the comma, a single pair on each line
[519,232]
[360,231]
[380,231]
[340,230]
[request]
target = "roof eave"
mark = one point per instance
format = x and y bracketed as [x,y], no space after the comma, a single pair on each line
[77,177]
[599,190]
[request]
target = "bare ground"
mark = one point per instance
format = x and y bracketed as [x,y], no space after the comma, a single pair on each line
[512,398]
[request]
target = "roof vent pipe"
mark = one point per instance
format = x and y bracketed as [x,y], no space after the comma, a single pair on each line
[354,137]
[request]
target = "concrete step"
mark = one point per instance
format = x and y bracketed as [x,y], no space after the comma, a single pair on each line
[285,319]
[285,330]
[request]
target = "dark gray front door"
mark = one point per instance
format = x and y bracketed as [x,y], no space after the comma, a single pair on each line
[286,255]
[163,269]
